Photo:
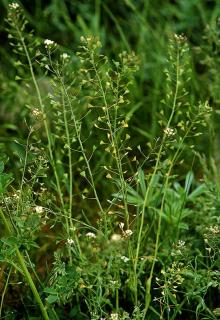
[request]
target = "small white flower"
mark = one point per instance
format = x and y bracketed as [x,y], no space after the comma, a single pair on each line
[125,259]
[39,209]
[91,235]
[169,132]
[181,243]
[49,43]
[65,56]
[70,241]
[208,249]
[36,112]
[14,5]
[128,233]
[16,195]
[121,225]
[114,316]
[179,37]
[115,237]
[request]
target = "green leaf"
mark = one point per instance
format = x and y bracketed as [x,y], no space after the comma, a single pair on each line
[5,180]
[197,192]
[17,78]
[141,178]
[83,173]
[33,221]
[52,299]
[10,241]
[183,226]
[188,181]
[172,298]
[51,291]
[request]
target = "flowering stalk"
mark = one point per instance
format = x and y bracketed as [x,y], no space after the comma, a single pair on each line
[168,132]
[14,21]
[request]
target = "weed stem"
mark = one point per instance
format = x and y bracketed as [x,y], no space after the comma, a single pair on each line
[23,266]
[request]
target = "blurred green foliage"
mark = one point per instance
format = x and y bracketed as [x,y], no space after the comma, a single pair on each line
[142,26]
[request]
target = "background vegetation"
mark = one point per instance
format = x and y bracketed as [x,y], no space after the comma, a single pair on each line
[109,172]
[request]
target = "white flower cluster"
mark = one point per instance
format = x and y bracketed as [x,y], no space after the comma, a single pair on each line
[36,112]
[181,244]
[169,132]
[124,258]
[49,43]
[214,229]
[128,233]
[114,316]
[14,5]
[91,235]
[70,241]
[179,37]
[39,209]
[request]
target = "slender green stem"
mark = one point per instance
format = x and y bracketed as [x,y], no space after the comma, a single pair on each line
[31,284]
[117,299]
[148,286]
[70,160]
[47,129]
[4,291]
[82,148]
[24,170]
[148,283]
[142,220]
[25,271]
[114,143]
[68,219]
[116,150]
